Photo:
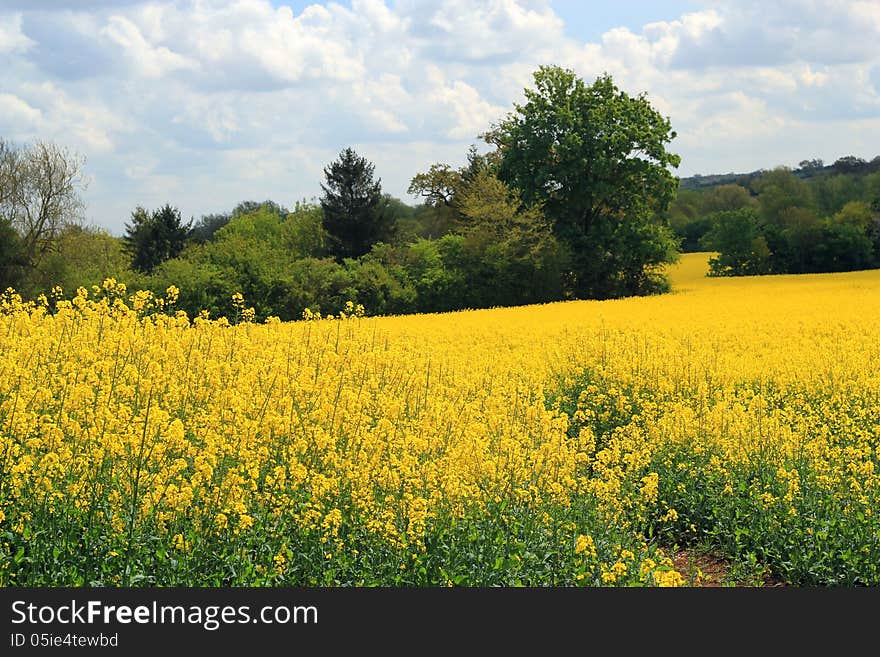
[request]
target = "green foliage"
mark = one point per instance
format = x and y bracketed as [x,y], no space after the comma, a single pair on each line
[727,197]
[687,221]
[845,248]
[260,225]
[203,285]
[276,262]
[321,285]
[595,158]
[427,221]
[779,190]
[83,256]
[382,288]
[437,215]
[833,192]
[302,232]
[441,186]
[249,207]
[438,185]
[794,239]
[845,243]
[259,253]
[743,250]
[205,228]
[873,233]
[857,214]
[794,225]
[690,232]
[248,253]
[356,213]
[509,254]
[152,238]
[431,265]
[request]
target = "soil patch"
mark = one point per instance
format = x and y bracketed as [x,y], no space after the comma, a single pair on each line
[700,568]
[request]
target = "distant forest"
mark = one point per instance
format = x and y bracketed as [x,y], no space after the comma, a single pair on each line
[805,169]
[815,218]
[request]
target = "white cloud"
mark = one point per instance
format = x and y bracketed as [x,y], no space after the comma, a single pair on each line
[377,18]
[18,115]
[759,32]
[471,113]
[474,31]
[209,102]
[148,60]
[12,40]
[82,125]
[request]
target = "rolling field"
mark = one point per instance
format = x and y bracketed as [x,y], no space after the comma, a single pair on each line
[568,444]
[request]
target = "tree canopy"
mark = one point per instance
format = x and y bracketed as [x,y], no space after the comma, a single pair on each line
[355,210]
[152,238]
[595,157]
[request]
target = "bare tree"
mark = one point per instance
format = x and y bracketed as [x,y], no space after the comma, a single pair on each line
[8,165]
[40,187]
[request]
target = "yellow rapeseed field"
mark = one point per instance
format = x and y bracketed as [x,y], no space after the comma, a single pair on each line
[572,443]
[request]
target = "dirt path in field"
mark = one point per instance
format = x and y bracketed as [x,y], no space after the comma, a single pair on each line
[701,569]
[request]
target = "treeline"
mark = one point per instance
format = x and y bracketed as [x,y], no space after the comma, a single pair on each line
[573,199]
[531,220]
[811,219]
[806,169]
[470,245]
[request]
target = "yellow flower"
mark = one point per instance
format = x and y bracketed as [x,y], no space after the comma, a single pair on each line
[390,428]
[609,577]
[671,516]
[585,545]
[650,486]
[668,578]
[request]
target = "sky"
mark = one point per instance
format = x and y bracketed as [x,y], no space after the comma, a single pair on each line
[206,103]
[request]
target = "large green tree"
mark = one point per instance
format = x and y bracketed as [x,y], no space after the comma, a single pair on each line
[152,238]
[595,158]
[355,210]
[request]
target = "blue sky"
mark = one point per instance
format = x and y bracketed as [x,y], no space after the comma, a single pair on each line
[206,103]
[588,21]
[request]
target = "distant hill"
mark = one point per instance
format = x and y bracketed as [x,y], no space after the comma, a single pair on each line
[806,169]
